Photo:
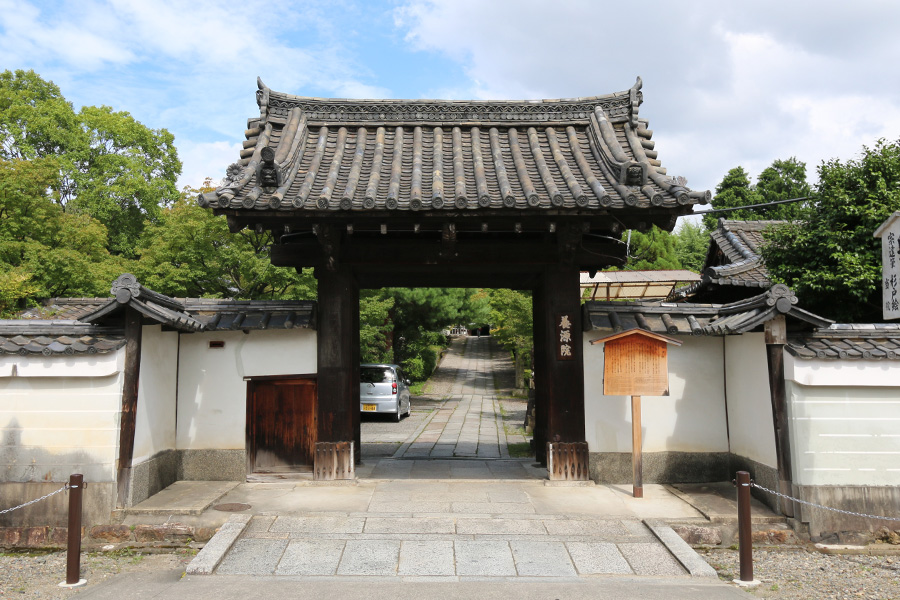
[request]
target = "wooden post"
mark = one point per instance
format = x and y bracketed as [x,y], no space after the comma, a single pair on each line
[73,545]
[776,337]
[128,417]
[745,540]
[637,489]
[338,355]
[559,363]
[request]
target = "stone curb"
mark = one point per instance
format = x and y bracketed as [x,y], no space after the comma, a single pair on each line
[215,549]
[870,550]
[689,559]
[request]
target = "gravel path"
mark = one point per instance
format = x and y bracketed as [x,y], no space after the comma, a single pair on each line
[36,576]
[797,574]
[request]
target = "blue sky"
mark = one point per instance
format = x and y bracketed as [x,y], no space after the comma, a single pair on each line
[725,83]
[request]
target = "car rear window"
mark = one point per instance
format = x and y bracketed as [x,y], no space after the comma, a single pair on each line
[376,375]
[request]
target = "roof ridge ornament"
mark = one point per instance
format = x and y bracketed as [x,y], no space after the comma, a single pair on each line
[636,98]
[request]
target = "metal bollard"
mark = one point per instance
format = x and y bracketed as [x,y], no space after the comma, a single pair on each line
[745,543]
[73,545]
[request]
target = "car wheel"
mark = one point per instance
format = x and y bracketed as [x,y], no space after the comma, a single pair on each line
[399,413]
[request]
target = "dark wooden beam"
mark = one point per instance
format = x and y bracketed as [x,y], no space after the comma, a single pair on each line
[776,338]
[128,418]
[337,339]
[362,252]
[557,326]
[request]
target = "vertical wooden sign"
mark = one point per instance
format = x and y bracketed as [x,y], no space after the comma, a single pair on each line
[564,350]
[635,364]
[889,232]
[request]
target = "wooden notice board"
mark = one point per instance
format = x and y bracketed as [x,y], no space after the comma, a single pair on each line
[635,366]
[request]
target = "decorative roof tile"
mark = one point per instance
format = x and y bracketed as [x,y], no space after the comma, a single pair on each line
[314,155]
[733,258]
[53,338]
[699,319]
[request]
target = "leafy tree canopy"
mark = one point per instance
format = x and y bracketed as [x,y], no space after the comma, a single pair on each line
[44,250]
[653,250]
[691,245]
[108,165]
[189,252]
[782,180]
[830,258]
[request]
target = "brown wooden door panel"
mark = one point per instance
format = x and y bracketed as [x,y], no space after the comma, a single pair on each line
[281,425]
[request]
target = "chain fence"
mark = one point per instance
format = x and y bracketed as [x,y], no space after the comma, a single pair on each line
[813,504]
[35,501]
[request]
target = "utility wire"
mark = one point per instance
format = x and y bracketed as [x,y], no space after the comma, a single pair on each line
[721,210]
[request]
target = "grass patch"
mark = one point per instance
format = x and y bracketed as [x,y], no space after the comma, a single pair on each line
[418,388]
[520,450]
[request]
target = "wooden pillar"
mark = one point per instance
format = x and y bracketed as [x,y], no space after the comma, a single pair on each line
[540,377]
[337,335]
[559,359]
[128,417]
[776,338]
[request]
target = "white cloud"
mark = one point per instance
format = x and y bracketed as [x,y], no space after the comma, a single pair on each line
[726,84]
[204,160]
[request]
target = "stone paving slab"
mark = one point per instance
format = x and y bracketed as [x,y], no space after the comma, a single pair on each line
[598,558]
[500,527]
[426,525]
[253,557]
[316,557]
[433,558]
[647,558]
[369,557]
[542,559]
[317,525]
[485,559]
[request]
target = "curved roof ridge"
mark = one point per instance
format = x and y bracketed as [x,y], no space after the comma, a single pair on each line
[627,93]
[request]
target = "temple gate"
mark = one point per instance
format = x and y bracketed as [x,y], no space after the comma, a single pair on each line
[516,194]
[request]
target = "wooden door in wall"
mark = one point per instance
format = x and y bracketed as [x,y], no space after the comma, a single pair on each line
[281,425]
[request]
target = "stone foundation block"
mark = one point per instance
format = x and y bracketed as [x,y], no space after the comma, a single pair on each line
[697,535]
[111,533]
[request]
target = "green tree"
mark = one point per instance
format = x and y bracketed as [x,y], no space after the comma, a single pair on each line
[375,326]
[45,251]
[513,326]
[653,250]
[830,258]
[782,180]
[691,245]
[190,252]
[733,191]
[419,315]
[109,166]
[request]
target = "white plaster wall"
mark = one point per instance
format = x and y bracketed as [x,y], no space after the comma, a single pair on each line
[749,398]
[76,365]
[690,419]
[66,422]
[845,435]
[212,393]
[155,422]
[864,373]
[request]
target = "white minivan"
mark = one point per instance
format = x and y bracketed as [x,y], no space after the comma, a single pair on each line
[383,389]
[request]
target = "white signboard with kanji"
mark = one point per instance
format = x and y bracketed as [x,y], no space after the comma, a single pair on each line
[889,232]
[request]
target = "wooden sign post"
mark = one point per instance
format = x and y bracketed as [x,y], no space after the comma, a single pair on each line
[889,232]
[635,365]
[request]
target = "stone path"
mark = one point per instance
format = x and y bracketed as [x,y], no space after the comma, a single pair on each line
[469,423]
[458,530]
[450,505]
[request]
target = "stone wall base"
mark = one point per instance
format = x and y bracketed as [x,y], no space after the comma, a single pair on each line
[98,502]
[102,535]
[824,524]
[169,466]
[661,467]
